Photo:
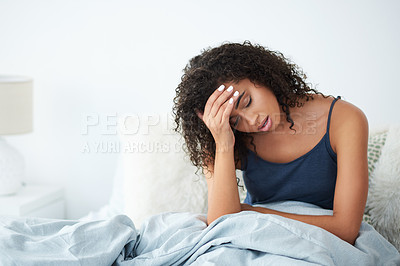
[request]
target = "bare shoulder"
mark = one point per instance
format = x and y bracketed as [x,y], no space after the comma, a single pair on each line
[346,114]
[347,122]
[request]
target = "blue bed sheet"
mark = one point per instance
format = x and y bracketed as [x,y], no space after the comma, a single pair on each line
[246,238]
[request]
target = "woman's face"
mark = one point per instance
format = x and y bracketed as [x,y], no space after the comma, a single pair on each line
[256,110]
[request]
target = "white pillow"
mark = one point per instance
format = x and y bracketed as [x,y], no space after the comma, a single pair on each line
[384,194]
[158,175]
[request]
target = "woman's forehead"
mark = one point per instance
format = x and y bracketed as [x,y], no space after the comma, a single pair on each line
[240,85]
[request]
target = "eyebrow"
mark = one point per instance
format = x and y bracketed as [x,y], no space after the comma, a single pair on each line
[238,101]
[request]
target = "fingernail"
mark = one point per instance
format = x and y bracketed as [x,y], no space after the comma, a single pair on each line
[230,100]
[236,93]
[220,88]
[230,88]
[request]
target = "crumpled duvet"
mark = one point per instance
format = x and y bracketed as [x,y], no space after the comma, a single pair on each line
[245,238]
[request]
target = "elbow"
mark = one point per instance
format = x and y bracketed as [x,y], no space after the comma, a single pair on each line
[350,238]
[211,217]
[345,228]
[350,235]
[210,220]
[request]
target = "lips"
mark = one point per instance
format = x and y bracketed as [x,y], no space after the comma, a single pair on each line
[264,123]
[266,126]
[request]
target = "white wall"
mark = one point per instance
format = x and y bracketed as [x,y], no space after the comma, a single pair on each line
[102,58]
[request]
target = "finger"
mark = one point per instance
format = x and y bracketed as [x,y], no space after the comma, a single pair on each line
[224,115]
[212,99]
[220,101]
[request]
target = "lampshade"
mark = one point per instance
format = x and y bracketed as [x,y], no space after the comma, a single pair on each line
[15,105]
[15,118]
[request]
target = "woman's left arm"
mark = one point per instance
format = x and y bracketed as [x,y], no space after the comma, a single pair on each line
[349,138]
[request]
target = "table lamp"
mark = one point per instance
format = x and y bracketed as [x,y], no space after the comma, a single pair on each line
[15,118]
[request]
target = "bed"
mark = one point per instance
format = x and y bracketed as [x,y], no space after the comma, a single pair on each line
[156,217]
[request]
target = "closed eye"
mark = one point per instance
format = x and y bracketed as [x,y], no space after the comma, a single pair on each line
[237,120]
[249,102]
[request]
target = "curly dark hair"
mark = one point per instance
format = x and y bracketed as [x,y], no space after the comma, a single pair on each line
[232,62]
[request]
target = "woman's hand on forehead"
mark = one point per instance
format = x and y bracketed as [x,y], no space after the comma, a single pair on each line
[216,114]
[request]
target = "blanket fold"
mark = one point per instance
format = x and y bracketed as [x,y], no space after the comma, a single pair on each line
[245,238]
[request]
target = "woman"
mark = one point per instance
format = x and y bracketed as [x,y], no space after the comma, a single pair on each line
[242,106]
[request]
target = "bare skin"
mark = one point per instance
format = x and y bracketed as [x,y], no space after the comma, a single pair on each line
[348,137]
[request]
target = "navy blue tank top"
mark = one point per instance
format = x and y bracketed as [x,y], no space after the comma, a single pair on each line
[310,178]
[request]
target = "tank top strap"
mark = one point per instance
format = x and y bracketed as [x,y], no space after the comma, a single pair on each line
[330,113]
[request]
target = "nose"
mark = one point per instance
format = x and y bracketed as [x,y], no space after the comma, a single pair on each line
[251,119]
